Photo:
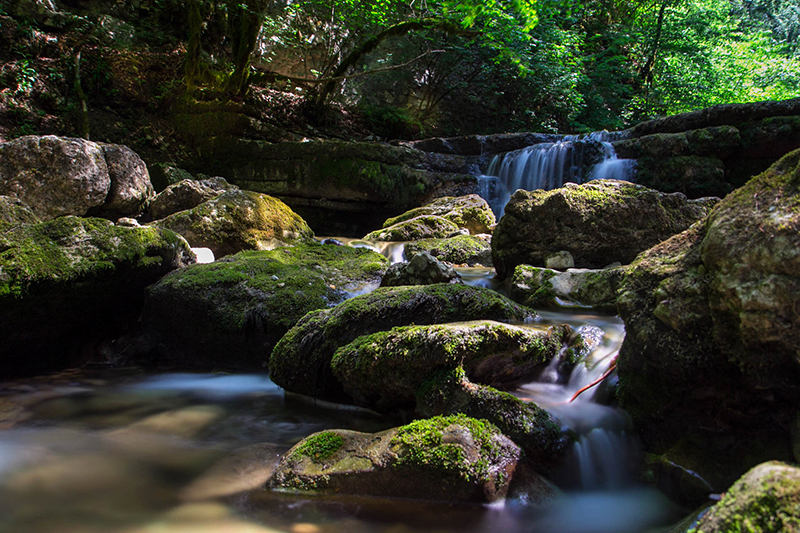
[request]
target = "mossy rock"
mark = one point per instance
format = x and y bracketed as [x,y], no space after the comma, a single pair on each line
[693,175]
[765,500]
[13,213]
[454,459]
[231,313]
[471,212]
[67,284]
[384,370]
[542,287]
[301,361]
[419,227]
[421,269]
[186,194]
[239,220]
[459,250]
[599,223]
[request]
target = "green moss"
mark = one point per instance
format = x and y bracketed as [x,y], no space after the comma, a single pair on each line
[458,250]
[319,447]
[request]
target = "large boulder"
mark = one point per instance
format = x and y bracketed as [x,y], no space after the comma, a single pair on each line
[69,283]
[301,361]
[187,194]
[459,250]
[421,269]
[598,223]
[419,227]
[470,212]
[710,359]
[232,312]
[130,189]
[455,459]
[239,220]
[766,499]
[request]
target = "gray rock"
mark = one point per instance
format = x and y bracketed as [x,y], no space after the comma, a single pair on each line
[468,250]
[131,189]
[422,269]
[470,212]
[542,287]
[559,261]
[13,212]
[187,194]
[419,227]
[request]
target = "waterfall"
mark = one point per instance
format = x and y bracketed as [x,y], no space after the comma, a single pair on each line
[549,165]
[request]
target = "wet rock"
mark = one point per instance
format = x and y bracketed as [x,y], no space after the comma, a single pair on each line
[453,459]
[187,194]
[130,190]
[301,361]
[69,283]
[470,212]
[542,287]
[13,212]
[239,220]
[463,249]
[766,498]
[419,227]
[711,348]
[559,261]
[230,313]
[599,223]
[422,269]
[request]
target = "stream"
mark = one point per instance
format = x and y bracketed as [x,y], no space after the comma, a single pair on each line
[127,450]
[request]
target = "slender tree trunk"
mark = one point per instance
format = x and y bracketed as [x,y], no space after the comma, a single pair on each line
[647,70]
[192,66]
[244,22]
[83,112]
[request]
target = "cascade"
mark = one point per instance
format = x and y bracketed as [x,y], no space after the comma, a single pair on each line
[549,165]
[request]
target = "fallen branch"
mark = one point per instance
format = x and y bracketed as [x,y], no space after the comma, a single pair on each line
[595,382]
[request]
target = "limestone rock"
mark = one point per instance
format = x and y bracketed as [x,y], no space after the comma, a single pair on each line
[13,212]
[419,227]
[453,459]
[460,250]
[578,287]
[187,194]
[422,269]
[239,220]
[131,189]
[599,223]
[470,212]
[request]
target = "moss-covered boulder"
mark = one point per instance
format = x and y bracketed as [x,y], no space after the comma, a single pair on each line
[710,359]
[187,194]
[454,459]
[239,220]
[232,312]
[577,287]
[13,212]
[460,250]
[470,212]
[384,370]
[766,499]
[599,223]
[421,269]
[301,361]
[419,227]
[67,284]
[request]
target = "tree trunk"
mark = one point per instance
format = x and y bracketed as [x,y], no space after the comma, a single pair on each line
[244,23]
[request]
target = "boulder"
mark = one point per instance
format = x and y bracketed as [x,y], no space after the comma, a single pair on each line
[577,287]
[232,312]
[460,250]
[599,223]
[239,220]
[13,212]
[419,227]
[187,194]
[470,212]
[765,499]
[54,176]
[422,269]
[455,459]
[162,175]
[130,190]
[710,357]
[67,284]
[301,361]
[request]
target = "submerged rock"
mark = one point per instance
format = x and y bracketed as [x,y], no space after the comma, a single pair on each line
[239,220]
[422,269]
[470,212]
[542,287]
[710,357]
[459,250]
[69,283]
[187,194]
[301,361]
[232,312]
[599,223]
[455,459]
[419,227]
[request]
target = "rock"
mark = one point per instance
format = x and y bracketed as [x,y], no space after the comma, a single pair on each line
[559,261]
[766,498]
[54,176]
[470,212]
[230,313]
[187,194]
[711,349]
[239,220]
[13,212]
[455,459]
[542,287]
[131,189]
[464,249]
[422,269]
[600,222]
[162,175]
[301,360]
[71,282]
[383,371]
[420,227]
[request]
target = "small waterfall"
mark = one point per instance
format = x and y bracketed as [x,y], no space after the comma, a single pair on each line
[550,165]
